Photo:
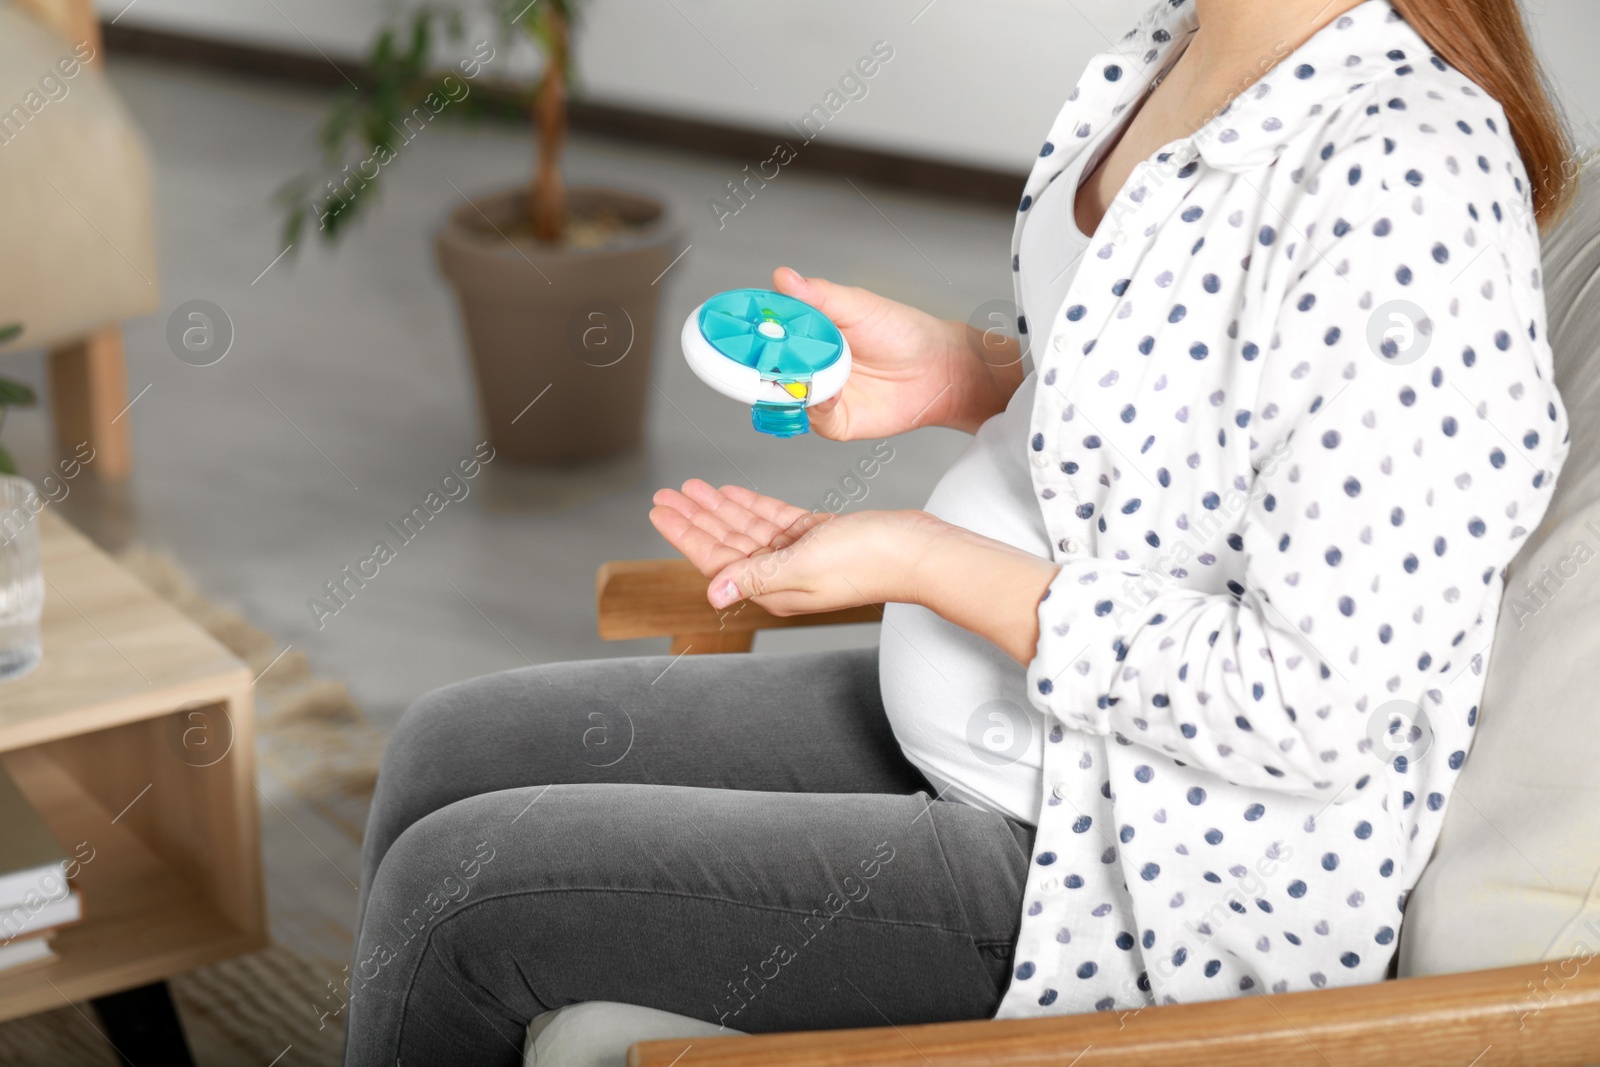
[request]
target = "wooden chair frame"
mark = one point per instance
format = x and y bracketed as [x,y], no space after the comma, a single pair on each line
[1544,1014]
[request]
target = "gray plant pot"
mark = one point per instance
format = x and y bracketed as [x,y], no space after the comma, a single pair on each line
[572,329]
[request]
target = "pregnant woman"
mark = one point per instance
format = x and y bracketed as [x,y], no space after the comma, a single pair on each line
[1180,661]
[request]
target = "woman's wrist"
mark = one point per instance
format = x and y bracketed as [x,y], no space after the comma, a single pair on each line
[986,367]
[981,585]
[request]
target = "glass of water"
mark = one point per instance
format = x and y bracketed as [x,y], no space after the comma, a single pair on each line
[21,580]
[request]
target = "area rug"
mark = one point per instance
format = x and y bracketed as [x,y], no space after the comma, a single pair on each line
[311,733]
[276,1006]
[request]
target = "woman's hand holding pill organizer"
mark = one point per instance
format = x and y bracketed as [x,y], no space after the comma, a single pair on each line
[910,370]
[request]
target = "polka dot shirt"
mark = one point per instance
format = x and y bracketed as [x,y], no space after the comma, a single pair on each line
[1294,417]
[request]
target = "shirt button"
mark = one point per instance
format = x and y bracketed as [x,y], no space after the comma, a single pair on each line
[1060,342]
[1059,791]
[1041,460]
[1049,885]
[1068,546]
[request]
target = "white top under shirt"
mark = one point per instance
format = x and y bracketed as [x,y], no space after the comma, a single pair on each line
[957,703]
[1292,420]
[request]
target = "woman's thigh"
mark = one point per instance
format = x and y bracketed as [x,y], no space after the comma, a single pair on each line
[806,723]
[759,911]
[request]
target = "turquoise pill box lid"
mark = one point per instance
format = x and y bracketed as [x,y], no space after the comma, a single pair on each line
[781,337]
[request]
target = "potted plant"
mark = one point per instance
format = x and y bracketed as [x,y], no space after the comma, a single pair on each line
[556,286]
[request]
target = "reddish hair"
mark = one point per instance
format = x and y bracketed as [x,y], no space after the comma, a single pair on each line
[1487,41]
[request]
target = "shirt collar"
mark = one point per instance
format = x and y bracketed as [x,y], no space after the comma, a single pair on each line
[1255,126]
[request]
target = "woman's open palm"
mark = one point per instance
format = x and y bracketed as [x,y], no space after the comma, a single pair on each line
[789,560]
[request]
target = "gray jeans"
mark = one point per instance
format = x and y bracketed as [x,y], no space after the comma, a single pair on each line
[734,837]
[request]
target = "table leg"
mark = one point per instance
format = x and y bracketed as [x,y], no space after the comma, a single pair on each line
[142,1025]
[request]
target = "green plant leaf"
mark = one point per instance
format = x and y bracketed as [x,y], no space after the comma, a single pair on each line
[10,331]
[7,464]
[15,394]
[362,125]
[294,224]
[335,130]
[382,48]
[421,39]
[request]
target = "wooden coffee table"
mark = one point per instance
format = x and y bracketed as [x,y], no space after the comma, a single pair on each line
[134,739]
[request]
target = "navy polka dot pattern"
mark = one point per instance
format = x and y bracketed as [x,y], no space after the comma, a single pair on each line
[1294,417]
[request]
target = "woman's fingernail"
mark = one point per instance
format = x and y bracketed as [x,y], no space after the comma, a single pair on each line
[724,594]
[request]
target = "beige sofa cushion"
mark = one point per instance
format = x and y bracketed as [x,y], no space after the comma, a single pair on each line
[77,247]
[1515,877]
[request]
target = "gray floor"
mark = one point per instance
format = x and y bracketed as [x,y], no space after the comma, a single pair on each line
[347,394]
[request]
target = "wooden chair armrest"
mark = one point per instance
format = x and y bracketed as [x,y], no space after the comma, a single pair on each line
[667,598]
[1545,1013]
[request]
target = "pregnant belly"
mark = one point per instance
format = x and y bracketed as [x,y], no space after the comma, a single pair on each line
[958,705]
[960,710]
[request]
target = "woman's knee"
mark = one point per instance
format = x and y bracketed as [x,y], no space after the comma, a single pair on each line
[432,719]
[434,867]
[456,732]
[434,756]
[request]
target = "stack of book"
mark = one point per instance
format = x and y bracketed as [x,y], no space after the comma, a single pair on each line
[35,897]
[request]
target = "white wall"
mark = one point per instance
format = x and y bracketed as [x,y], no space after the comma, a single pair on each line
[974,81]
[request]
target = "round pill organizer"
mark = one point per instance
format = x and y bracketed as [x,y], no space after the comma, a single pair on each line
[777,354]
